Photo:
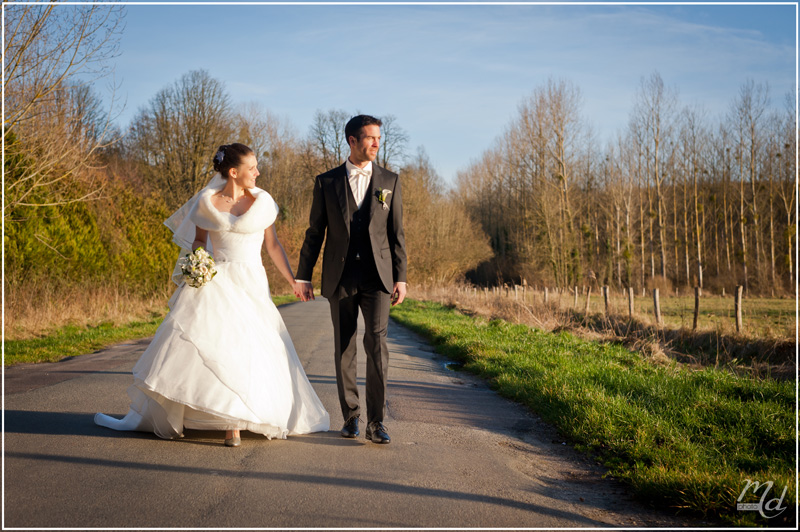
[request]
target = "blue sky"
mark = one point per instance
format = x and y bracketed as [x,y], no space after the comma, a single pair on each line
[454,75]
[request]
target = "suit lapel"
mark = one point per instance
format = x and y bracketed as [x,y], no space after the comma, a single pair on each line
[375,184]
[340,184]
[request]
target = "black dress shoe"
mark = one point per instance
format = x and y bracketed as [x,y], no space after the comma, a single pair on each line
[377,433]
[350,429]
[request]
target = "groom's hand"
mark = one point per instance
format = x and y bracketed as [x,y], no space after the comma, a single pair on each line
[306,291]
[398,293]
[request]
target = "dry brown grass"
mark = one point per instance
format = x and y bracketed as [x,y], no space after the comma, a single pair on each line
[662,345]
[34,310]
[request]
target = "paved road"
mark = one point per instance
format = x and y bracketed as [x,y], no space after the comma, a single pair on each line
[460,457]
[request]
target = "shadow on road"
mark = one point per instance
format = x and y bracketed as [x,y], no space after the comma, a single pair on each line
[316,480]
[82,424]
[62,423]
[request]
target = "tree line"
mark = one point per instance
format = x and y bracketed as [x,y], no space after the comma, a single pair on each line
[677,199]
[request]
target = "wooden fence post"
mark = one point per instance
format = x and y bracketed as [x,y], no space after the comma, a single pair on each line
[588,295]
[605,297]
[737,305]
[630,301]
[516,292]
[696,307]
[545,295]
[656,306]
[576,298]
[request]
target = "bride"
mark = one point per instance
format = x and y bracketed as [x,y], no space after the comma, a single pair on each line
[222,359]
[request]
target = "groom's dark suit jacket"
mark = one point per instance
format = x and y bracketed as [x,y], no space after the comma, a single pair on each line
[329,210]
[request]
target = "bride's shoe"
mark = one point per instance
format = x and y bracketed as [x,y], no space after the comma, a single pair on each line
[234,441]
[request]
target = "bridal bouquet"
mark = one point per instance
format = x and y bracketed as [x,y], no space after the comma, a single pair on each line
[197,268]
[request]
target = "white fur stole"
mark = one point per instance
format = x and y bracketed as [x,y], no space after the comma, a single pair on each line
[258,217]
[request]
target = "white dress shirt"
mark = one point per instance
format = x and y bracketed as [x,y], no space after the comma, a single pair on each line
[359,180]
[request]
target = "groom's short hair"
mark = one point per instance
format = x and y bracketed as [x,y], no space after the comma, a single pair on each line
[353,127]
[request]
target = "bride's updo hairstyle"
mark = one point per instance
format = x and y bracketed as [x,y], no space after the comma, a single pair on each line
[230,156]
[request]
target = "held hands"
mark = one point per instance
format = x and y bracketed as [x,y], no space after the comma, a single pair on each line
[398,293]
[304,291]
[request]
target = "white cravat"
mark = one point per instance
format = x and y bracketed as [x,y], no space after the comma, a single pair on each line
[359,180]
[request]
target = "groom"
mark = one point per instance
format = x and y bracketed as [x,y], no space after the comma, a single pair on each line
[363,267]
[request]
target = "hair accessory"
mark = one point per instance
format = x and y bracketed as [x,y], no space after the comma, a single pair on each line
[219,156]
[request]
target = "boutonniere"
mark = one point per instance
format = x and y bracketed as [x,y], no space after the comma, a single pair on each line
[382,196]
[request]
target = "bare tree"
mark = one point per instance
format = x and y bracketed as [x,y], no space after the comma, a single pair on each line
[526,167]
[327,137]
[566,135]
[655,112]
[636,136]
[443,242]
[746,116]
[279,153]
[53,128]
[46,46]
[787,190]
[625,163]
[694,137]
[552,137]
[175,136]
[725,160]
[394,143]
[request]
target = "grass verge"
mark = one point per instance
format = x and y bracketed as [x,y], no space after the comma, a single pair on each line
[768,356]
[688,439]
[72,340]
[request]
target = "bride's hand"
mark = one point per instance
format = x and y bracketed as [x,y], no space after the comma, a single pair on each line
[298,292]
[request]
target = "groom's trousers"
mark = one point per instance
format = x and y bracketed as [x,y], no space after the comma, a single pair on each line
[361,288]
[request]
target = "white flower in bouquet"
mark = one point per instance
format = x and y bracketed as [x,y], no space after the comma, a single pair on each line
[198,268]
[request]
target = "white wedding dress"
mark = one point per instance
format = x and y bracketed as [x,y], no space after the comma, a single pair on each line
[222,359]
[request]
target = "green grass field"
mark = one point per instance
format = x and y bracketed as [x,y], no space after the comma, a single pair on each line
[687,439]
[761,316]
